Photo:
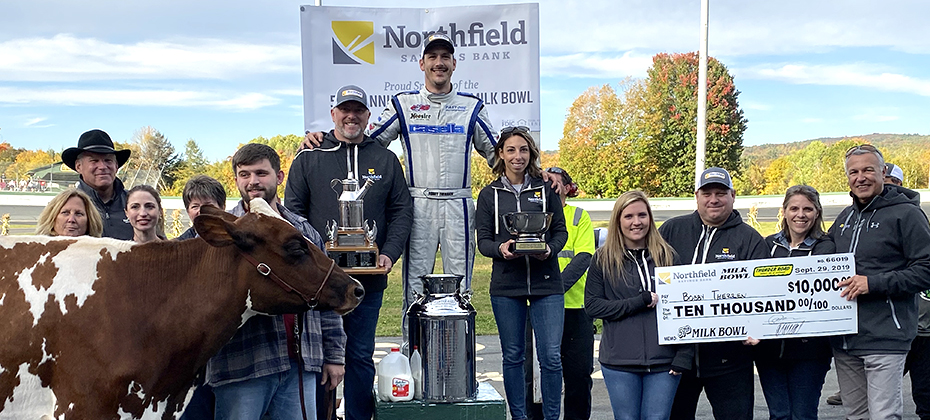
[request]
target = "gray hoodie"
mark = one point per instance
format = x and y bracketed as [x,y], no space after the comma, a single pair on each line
[890,237]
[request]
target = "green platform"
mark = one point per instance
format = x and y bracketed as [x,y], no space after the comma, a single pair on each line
[489,405]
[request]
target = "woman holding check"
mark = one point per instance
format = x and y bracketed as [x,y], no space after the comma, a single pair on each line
[792,370]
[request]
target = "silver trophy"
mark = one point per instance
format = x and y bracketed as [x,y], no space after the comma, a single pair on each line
[530,229]
[352,239]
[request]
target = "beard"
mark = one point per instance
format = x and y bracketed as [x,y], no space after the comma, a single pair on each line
[268,194]
[351,134]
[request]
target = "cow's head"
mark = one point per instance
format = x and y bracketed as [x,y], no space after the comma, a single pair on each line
[264,237]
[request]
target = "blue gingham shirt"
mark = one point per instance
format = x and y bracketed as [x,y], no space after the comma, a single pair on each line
[259,348]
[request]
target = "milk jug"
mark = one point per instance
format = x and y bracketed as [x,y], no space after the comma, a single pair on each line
[416,370]
[395,383]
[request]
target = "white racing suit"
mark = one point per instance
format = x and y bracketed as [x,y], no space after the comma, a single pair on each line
[438,132]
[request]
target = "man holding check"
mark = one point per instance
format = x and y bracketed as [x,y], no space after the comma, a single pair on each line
[890,237]
[715,233]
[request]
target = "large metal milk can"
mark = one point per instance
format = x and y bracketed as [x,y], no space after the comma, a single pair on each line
[442,325]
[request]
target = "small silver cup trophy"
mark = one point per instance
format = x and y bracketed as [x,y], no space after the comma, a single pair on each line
[530,229]
[352,240]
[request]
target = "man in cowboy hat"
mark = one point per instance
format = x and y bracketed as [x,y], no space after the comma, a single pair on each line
[96,161]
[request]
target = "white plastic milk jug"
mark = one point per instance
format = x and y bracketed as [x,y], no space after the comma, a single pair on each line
[395,383]
[416,371]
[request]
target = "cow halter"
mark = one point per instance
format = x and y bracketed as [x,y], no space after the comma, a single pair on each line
[265,270]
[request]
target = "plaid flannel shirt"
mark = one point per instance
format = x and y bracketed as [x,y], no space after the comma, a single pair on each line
[259,348]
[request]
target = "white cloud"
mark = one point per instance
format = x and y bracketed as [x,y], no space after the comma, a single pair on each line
[68,58]
[608,66]
[34,121]
[169,98]
[811,120]
[860,75]
[287,92]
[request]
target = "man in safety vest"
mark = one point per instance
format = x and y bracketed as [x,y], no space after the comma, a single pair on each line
[578,331]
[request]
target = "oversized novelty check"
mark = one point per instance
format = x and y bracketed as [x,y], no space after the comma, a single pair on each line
[764,299]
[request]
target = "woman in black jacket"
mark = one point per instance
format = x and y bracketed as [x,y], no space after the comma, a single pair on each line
[792,371]
[641,376]
[520,279]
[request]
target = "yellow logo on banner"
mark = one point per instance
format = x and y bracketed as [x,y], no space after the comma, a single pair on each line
[664,276]
[353,42]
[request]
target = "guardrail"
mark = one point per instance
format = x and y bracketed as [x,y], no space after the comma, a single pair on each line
[658,203]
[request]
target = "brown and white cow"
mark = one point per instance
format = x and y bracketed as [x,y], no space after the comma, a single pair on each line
[104,329]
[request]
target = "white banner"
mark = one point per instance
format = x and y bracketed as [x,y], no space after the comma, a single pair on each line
[763,299]
[378,49]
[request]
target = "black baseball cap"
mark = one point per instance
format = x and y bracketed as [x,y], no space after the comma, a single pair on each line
[436,39]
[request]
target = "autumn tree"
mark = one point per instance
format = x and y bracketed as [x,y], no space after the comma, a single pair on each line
[669,123]
[599,137]
[481,174]
[8,155]
[818,165]
[914,161]
[30,159]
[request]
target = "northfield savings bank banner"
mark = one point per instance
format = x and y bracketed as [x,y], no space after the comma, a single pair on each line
[496,49]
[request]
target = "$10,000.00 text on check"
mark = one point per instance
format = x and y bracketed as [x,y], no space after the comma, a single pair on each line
[763,299]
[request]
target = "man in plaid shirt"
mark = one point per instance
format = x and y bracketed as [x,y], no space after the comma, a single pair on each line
[258,371]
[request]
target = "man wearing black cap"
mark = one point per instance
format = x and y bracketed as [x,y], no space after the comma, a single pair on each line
[347,152]
[715,233]
[97,161]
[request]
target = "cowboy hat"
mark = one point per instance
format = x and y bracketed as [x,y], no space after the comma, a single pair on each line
[96,141]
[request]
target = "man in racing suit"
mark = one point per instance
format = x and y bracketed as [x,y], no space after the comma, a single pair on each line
[437,128]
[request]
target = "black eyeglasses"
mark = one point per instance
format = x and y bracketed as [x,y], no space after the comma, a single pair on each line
[866,147]
[555,170]
[515,129]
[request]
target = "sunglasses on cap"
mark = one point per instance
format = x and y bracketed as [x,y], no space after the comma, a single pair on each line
[866,147]
[555,170]
[515,129]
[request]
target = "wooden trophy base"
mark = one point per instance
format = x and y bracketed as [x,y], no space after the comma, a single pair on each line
[355,259]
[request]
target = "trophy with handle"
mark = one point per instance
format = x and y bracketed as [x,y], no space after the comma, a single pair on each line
[530,229]
[352,239]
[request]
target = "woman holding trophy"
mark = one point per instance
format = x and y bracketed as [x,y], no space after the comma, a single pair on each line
[520,225]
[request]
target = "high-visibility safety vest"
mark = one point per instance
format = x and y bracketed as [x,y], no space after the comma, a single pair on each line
[580,239]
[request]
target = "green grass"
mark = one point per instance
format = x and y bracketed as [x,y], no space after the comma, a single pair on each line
[389,320]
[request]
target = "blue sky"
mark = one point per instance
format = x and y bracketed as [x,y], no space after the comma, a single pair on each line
[222,73]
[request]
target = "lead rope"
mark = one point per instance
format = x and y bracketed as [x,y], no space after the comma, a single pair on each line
[298,322]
